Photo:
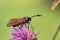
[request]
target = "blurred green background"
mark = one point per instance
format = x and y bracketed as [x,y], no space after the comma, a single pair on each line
[47,24]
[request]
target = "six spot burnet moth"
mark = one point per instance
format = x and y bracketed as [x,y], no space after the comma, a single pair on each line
[17,21]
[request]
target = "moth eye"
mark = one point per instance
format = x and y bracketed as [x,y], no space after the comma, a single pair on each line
[26,18]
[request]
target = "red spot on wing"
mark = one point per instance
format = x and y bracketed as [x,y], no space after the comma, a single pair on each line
[12,23]
[22,20]
[16,20]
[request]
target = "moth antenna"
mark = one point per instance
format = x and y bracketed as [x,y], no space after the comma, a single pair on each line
[36,15]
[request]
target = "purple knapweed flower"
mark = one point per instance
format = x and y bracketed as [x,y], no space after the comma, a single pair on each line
[23,33]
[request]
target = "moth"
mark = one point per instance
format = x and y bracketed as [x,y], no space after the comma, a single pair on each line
[17,21]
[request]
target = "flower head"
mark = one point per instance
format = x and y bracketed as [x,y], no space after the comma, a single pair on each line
[23,33]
